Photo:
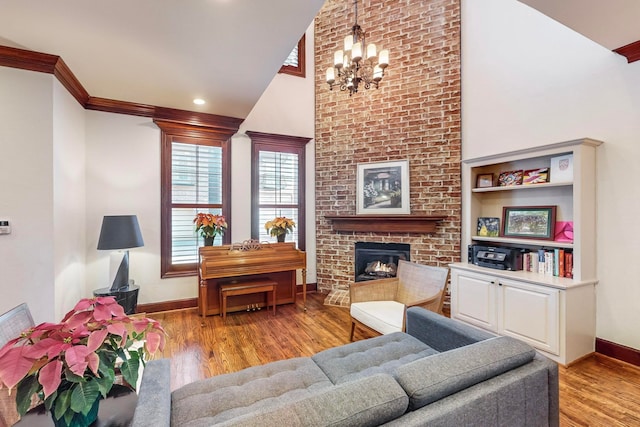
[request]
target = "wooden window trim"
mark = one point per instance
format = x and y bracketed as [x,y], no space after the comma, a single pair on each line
[300,70]
[286,144]
[180,132]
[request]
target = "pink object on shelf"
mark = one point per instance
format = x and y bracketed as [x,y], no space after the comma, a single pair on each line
[564,231]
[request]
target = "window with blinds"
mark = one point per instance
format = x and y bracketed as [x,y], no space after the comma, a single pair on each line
[295,62]
[277,173]
[196,186]
[278,189]
[194,179]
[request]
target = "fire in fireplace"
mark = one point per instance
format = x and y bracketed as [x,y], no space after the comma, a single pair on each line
[378,260]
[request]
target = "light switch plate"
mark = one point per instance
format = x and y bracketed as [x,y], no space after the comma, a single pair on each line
[5,228]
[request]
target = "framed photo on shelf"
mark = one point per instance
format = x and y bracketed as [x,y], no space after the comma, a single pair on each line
[529,222]
[383,188]
[484,180]
[509,178]
[535,176]
[488,227]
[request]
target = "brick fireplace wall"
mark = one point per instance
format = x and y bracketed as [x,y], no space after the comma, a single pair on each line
[414,115]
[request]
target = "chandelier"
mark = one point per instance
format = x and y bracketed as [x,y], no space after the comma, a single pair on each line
[357,65]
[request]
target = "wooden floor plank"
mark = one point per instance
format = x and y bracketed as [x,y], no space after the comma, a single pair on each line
[597,391]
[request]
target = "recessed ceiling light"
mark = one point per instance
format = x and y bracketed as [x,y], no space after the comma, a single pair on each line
[199,101]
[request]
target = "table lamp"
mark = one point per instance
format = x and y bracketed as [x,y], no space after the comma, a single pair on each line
[119,233]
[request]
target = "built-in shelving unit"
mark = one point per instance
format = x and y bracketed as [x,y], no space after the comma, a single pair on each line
[554,314]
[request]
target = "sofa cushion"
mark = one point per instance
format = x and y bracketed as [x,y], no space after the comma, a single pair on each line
[382,316]
[382,354]
[369,401]
[432,378]
[224,397]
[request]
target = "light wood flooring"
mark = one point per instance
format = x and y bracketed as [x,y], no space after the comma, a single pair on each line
[598,391]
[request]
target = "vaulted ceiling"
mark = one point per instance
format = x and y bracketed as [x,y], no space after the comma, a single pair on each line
[164,52]
[613,24]
[168,52]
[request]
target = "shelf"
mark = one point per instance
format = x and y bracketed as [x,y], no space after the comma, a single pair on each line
[522,187]
[528,242]
[385,223]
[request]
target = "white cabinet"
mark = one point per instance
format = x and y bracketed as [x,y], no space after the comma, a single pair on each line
[554,314]
[560,322]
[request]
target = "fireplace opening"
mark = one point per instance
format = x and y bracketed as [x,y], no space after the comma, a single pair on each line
[378,260]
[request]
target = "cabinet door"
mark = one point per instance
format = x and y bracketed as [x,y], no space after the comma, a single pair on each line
[473,299]
[530,313]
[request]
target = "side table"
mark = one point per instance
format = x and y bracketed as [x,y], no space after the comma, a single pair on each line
[126,297]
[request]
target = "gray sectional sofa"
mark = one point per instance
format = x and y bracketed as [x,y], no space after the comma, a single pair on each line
[440,373]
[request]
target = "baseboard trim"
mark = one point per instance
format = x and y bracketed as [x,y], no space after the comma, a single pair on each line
[155,307]
[618,351]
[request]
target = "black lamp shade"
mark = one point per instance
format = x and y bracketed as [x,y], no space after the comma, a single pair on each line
[120,232]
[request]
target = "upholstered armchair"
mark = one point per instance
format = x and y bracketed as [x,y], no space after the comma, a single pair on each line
[380,304]
[12,323]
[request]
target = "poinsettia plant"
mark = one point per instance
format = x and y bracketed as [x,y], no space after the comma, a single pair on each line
[279,225]
[71,364]
[210,225]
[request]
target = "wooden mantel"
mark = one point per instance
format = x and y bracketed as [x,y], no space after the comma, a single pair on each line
[385,223]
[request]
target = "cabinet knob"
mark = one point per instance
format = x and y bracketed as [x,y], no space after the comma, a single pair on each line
[499,284]
[493,282]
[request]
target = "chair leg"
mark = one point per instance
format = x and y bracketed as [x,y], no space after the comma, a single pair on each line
[353,327]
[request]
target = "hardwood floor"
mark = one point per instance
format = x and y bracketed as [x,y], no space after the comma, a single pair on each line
[598,391]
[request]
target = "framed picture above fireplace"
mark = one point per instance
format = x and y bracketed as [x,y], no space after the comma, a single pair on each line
[383,188]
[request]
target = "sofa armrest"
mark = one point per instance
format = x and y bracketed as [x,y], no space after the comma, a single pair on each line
[441,333]
[154,397]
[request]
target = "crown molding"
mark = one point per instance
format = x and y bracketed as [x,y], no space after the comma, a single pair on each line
[53,64]
[630,51]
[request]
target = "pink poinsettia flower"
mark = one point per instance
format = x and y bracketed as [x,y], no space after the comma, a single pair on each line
[50,377]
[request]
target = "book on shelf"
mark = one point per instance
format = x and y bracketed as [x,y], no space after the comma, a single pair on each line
[553,262]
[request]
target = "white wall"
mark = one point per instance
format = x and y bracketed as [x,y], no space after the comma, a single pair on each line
[287,107]
[26,191]
[68,199]
[527,81]
[123,178]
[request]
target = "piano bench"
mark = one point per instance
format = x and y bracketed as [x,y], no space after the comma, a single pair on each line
[245,288]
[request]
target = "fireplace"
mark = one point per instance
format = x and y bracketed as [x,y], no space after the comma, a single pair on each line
[378,260]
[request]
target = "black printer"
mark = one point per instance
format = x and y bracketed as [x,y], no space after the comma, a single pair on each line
[497,257]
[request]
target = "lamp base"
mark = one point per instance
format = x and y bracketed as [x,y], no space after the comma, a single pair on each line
[119,270]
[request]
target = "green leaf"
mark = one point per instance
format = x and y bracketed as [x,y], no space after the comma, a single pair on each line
[105,382]
[26,388]
[49,401]
[130,369]
[83,396]
[71,377]
[62,403]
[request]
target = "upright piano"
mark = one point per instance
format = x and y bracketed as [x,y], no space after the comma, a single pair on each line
[247,262]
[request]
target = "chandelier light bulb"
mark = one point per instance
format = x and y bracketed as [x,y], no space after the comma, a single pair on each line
[331,75]
[383,59]
[356,52]
[348,42]
[338,59]
[371,51]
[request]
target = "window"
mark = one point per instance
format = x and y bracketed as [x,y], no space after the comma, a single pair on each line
[277,177]
[295,64]
[195,178]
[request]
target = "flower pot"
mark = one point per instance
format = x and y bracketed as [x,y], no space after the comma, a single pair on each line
[281,238]
[208,241]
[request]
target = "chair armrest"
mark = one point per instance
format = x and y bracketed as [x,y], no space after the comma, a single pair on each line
[430,303]
[154,396]
[374,290]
